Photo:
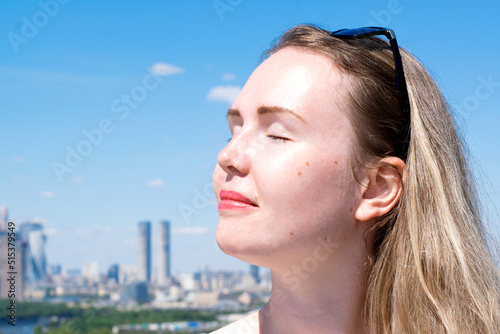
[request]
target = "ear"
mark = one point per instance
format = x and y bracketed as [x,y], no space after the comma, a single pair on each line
[384,185]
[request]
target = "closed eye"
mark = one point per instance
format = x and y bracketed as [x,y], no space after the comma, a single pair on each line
[278,138]
[283,139]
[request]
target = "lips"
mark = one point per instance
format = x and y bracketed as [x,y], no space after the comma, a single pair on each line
[232,200]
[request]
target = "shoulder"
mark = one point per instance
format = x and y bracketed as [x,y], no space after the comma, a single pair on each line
[247,325]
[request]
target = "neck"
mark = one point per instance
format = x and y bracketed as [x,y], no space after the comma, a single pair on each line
[315,296]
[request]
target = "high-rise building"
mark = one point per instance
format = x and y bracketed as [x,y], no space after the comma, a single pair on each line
[91,272]
[114,272]
[145,251]
[35,260]
[137,291]
[254,271]
[4,218]
[164,255]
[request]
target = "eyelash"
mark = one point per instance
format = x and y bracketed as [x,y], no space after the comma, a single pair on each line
[282,139]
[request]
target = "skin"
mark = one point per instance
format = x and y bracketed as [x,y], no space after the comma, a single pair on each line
[311,216]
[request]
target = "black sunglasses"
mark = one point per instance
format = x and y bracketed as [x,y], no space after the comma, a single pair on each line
[400,75]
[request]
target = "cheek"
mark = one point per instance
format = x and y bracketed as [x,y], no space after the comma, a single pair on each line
[320,188]
[307,186]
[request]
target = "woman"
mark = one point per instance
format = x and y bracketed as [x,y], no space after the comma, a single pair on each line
[354,191]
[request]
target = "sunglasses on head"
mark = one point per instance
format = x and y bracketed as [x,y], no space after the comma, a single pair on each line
[357,33]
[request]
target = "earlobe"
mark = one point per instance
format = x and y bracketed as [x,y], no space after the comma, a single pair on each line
[384,185]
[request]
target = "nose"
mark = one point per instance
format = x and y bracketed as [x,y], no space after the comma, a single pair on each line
[234,158]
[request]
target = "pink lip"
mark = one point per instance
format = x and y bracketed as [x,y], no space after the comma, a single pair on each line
[231,200]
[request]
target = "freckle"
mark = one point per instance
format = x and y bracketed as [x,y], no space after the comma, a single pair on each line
[336,162]
[307,163]
[291,233]
[256,197]
[299,173]
[350,210]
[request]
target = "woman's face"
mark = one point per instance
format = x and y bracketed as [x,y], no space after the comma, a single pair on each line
[289,157]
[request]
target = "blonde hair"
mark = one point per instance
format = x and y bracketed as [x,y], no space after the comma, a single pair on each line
[431,270]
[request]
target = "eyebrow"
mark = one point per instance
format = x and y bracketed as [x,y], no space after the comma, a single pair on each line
[268,109]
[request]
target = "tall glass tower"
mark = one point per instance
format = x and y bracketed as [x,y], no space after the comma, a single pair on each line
[35,260]
[164,255]
[145,251]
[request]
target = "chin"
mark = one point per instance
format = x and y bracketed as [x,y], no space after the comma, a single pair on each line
[230,242]
[243,247]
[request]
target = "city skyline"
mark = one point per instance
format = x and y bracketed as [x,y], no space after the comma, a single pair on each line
[35,267]
[38,264]
[114,114]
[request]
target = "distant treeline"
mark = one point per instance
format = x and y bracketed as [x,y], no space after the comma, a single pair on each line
[33,310]
[77,319]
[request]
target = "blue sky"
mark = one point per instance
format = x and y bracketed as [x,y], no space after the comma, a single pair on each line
[149,83]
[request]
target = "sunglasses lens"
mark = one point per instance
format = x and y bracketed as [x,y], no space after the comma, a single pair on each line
[356,32]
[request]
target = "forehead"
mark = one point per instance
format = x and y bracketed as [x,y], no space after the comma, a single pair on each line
[305,82]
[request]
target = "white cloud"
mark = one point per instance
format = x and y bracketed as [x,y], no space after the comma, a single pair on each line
[18,178]
[190,230]
[228,77]
[165,69]
[47,194]
[82,232]
[156,183]
[77,180]
[18,158]
[223,93]
[100,229]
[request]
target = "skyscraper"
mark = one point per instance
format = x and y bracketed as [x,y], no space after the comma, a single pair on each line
[114,272]
[145,251]
[254,271]
[35,260]
[90,271]
[164,255]
[4,218]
